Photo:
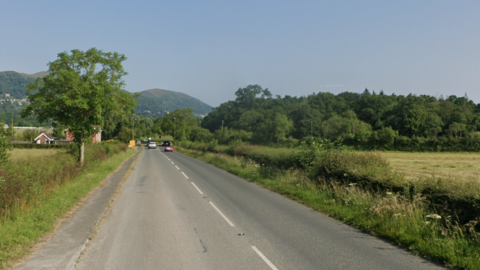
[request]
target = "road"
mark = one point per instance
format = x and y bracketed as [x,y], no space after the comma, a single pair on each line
[176,212]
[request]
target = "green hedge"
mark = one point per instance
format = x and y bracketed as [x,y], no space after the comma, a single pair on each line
[39,146]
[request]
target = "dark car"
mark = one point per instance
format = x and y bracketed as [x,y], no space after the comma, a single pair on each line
[166,143]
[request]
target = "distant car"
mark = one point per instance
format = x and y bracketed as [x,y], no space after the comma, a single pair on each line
[168,149]
[152,145]
[166,143]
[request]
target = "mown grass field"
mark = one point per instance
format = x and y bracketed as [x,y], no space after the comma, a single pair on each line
[458,166]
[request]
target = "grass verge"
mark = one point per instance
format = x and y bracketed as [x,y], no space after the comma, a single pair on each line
[407,222]
[27,227]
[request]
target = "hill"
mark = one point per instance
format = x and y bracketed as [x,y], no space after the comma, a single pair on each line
[158,102]
[153,102]
[35,75]
[15,84]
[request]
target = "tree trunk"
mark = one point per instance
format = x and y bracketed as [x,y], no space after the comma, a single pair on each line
[82,150]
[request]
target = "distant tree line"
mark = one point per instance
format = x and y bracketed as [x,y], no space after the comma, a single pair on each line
[365,121]
[11,111]
[181,124]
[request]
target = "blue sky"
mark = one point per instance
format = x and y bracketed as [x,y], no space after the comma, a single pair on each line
[209,49]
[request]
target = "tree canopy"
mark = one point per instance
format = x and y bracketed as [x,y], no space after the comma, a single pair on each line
[364,120]
[80,89]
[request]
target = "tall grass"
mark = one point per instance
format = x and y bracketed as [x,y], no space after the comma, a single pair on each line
[22,180]
[431,217]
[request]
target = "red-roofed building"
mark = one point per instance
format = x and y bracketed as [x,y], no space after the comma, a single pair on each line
[96,138]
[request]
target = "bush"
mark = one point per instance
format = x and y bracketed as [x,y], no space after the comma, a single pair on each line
[364,169]
[233,145]
[213,143]
[186,144]
[281,158]
[29,135]
[107,148]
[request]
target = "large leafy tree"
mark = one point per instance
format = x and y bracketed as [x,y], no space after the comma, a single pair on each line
[180,123]
[80,89]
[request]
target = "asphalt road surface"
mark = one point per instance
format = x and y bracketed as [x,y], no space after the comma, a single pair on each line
[176,212]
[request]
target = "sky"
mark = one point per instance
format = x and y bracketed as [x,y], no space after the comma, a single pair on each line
[209,49]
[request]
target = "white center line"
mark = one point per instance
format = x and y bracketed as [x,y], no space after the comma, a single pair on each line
[177,167]
[185,175]
[265,259]
[221,214]
[172,162]
[197,188]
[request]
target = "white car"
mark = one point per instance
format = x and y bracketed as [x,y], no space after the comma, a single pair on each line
[152,145]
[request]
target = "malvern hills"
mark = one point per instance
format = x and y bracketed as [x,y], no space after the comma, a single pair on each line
[154,102]
[158,102]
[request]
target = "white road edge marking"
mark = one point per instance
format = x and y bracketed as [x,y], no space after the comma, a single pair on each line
[185,175]
[197,188]
[177,167]
[221,214]
[172,162]
[265,259]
